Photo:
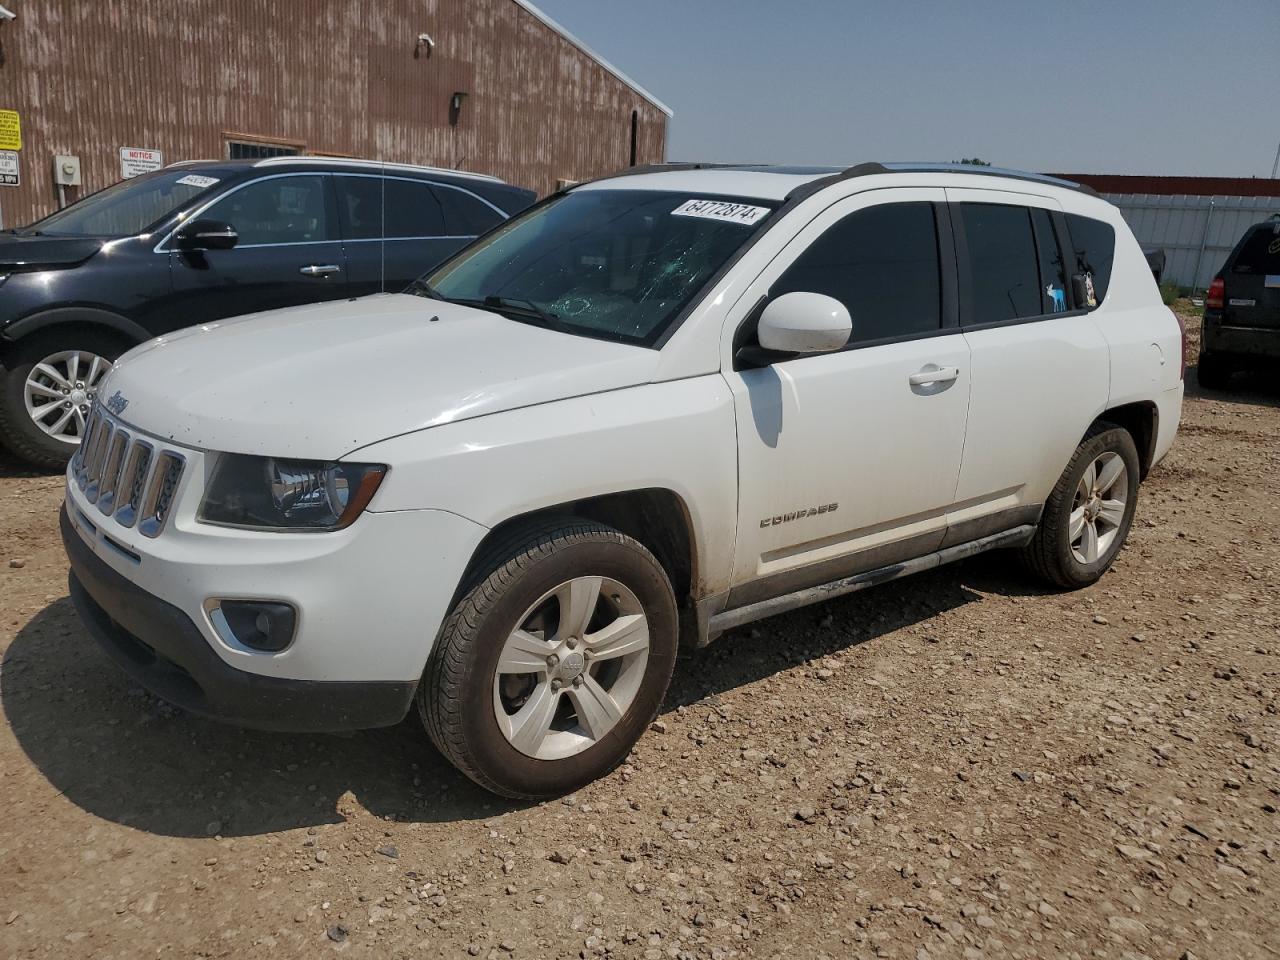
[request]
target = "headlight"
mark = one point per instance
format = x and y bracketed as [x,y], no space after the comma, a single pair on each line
[266,492]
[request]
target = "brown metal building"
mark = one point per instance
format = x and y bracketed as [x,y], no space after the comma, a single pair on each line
[493,86]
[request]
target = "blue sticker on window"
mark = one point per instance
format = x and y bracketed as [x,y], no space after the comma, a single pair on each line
[1059,297]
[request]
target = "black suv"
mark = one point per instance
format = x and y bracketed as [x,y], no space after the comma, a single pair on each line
[200,241]
[1242,309]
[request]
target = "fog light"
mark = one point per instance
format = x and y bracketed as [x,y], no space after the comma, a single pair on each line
[257,624]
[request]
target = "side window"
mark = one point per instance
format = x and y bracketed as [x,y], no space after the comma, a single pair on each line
[1053,272]
[880,262]
[464,215]
[278,210]
[1004,275]
[411,208]
[1095,249]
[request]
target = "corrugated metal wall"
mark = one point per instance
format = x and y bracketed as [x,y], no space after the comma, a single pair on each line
[335,76]
[1181,225]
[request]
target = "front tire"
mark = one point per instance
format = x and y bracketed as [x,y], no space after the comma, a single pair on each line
[47,388]
[1088,514]
[552,665]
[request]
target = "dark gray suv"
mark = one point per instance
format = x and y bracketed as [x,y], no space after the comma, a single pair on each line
[1242,309]
[200,241]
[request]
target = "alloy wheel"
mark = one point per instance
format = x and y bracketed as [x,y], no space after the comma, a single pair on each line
[1098,511]
[572,668]
[61,388]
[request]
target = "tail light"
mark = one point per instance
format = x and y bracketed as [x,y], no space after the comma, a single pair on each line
[1215,299]
[1182,329]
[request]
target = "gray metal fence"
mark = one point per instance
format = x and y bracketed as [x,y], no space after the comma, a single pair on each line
[1196,233]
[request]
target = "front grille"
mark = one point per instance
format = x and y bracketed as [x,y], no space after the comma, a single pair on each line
[125,476]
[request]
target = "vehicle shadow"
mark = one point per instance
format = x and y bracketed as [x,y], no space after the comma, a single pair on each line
[13,468]
[1258,388]
[125,756]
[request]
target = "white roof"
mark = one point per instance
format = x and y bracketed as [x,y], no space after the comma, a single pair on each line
[594,56]
[733,182]
[777,182]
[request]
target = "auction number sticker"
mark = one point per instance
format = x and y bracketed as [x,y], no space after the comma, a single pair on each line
[722,210]
[195,180]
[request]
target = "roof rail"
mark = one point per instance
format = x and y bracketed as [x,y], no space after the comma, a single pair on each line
[873,168]
[374,164]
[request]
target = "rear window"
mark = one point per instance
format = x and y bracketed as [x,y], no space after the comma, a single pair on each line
[1095,249]
[1260,252]
[374,207]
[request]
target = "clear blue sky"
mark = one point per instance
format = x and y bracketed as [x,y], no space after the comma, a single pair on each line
[1081,86]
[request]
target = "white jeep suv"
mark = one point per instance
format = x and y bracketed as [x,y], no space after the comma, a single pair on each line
[649,409]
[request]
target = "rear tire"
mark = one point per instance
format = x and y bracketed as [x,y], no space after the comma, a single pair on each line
[21,430]
[1088,514]
[554,661]
[1213,372]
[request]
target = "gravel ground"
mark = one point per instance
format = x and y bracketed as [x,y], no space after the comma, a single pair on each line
[960,764]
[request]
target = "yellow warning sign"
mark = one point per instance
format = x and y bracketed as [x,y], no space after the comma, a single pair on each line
[10,130]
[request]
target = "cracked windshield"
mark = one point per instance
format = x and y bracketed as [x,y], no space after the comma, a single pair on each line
[613,264]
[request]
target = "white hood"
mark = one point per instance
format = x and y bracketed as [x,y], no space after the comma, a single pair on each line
[320,381]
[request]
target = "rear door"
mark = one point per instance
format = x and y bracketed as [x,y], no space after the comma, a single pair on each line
[289,251]
[394,230]
[1040,368]
[1251,295]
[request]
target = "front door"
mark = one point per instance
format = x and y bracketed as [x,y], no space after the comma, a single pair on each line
[289,252]
[848,461]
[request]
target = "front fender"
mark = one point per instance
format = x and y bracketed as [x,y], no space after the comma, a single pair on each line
[677,436]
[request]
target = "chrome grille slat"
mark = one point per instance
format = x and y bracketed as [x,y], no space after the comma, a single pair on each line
[96,460]
[164,482]
[134,483]
[114,464]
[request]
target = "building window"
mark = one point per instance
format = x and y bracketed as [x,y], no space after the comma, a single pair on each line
[635,135]
[259,150]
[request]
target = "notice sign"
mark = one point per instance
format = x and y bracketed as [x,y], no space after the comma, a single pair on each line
[134,161]
[10,175]
[10,130]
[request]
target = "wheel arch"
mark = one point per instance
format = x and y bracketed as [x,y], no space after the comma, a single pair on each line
[1142,420]
[655,516]
[65,318]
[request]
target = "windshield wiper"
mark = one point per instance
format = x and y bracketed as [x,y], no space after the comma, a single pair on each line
[519,305]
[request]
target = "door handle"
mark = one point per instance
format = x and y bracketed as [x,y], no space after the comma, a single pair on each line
[933,374]
[320,269]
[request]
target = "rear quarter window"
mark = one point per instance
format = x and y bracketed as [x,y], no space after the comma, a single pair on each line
[1094,244]
[464,215]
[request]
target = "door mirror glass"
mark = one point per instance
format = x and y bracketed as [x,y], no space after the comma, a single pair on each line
[804,323]
[206,235]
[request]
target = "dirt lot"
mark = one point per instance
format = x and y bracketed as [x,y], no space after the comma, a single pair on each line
[955,765]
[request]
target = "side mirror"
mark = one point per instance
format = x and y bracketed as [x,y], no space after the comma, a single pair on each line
[804,323]
[206,235]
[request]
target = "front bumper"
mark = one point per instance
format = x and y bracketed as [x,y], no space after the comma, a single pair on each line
[161,648]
